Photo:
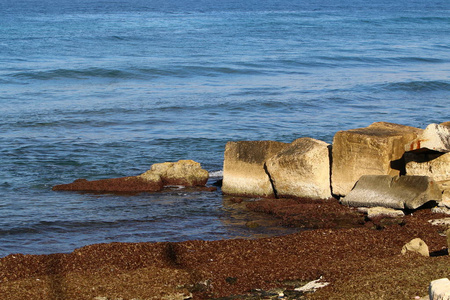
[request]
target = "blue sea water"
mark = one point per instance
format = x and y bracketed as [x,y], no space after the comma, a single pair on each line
[104,88]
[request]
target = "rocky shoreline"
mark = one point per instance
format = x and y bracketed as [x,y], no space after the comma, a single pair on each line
[356,252]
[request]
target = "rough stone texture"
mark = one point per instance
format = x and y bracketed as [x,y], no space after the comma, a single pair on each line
[244,167]
[416,245]
[183,172]
[446,195]
[441,210]
[440,222]
[435,137]
[378,211]
[440,289]
[373,150]
[435,165]
[445,199]
[432,164]
[301,170]
[398,192]
[133,184]
[448,240]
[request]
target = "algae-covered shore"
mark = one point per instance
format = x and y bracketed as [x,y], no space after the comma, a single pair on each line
[360,262]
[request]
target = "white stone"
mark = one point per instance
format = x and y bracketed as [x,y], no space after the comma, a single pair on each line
[378,211]
[435,137]
[439,289]
[440,210]
[440,222]
[312,286]
[416,245]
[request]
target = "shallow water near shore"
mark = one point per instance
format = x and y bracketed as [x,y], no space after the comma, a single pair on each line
[103,89]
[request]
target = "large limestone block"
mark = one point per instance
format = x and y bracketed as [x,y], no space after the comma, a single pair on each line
[244,167]
[372,150]
[302,170]
[439,289]
[184,172]
[435,137]
[398,192]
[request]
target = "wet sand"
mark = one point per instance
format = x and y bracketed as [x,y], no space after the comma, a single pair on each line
[361,261]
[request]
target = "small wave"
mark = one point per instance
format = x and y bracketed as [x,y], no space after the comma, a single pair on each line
[131,73]
[418,86]
[216,173]
[73,74]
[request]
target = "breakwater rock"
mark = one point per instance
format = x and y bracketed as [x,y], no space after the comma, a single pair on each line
[313,169]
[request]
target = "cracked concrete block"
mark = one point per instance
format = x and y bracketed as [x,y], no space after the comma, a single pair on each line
[244,172]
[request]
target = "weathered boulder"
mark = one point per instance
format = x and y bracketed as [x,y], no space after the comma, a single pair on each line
[302,169]
[398,192]
[435,137]
[184,172]
[374,150]
[439,289]
[416,245]
[244,170]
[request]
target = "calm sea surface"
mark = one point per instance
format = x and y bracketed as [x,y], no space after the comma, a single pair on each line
[104,88]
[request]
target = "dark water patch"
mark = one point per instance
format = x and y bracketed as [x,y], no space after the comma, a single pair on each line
[421,20]
[420,60]
[417,86]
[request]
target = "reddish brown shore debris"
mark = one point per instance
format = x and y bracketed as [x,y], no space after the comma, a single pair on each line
[132,184]
[308,213]
[213,269]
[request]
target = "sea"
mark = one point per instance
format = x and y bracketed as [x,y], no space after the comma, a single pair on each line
[100,89]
